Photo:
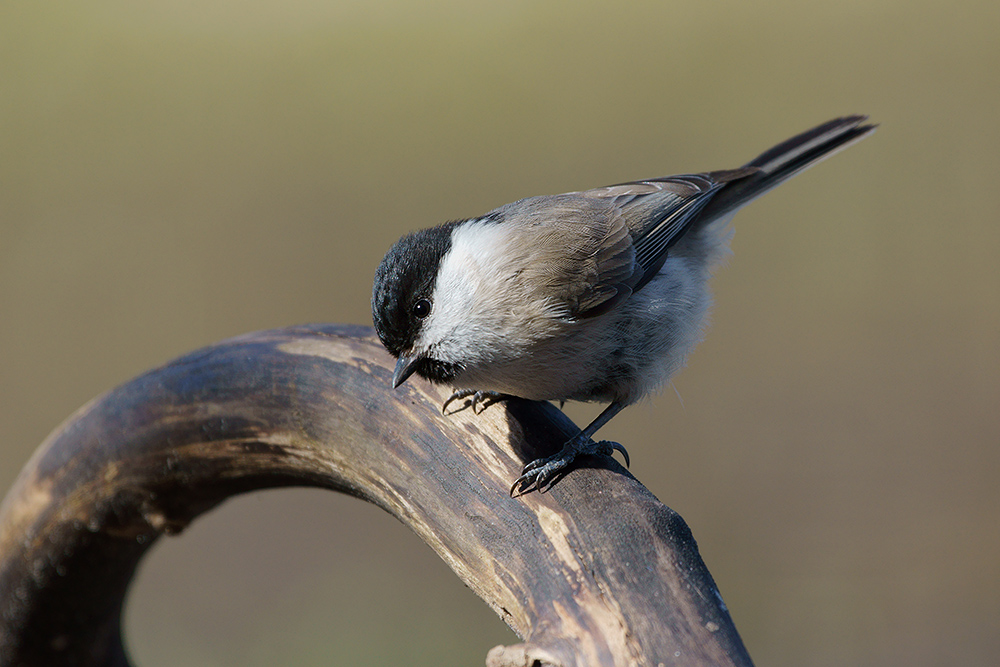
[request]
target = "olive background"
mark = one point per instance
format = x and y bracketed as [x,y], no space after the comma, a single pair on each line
[176,173]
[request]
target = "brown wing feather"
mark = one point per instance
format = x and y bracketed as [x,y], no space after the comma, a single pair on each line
[590,250]
[659,211]
[577,251]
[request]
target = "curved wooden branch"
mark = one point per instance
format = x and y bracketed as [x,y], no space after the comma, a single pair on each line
[594,572]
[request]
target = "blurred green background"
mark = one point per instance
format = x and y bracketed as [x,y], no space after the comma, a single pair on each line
[175,173]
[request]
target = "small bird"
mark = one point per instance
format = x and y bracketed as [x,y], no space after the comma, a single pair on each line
[597,295]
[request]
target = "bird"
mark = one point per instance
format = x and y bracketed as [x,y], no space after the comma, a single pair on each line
[598,295]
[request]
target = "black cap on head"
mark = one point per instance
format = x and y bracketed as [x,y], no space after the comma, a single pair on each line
[404,279]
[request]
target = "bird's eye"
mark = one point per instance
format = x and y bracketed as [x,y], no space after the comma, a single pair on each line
[422,309]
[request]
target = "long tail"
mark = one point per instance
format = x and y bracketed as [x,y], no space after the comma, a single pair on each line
[788,158]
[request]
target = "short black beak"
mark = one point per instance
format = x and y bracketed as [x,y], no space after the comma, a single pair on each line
[405,367]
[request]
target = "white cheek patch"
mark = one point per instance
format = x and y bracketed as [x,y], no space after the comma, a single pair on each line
[467,274]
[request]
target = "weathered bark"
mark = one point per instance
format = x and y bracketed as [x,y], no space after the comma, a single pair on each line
[595,572]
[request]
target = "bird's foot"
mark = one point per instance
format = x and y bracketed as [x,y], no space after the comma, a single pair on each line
[480,400]
[542,473]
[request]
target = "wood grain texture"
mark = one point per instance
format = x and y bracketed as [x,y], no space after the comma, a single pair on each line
[595,572]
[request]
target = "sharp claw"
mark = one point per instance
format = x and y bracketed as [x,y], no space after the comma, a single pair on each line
[536,473]
[618,446]
[608,448]
[542,473]
[521,485]
[455,396]
[480,400]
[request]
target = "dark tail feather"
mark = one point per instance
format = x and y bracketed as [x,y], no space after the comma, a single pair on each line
[787,159]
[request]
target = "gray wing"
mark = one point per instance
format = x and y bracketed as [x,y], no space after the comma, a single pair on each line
[590,251]
[575,251]
[593,249]
[659,211]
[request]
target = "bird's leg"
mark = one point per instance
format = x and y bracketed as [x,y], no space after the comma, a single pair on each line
[542,473]
[480,399]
